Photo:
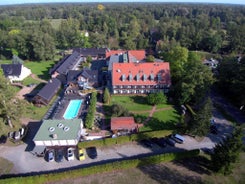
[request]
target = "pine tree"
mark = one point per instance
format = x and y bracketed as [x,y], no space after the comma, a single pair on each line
[227,152]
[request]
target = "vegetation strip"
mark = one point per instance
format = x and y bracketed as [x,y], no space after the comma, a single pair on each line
[117,165]
[124,139]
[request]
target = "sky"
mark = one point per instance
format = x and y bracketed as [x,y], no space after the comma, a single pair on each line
[9,2]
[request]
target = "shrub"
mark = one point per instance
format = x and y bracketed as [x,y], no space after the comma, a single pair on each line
[124,139]
[117,165]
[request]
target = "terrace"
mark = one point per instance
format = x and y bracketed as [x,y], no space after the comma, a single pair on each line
[60,106]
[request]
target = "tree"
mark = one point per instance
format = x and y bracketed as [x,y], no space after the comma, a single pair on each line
[227,152]
[119,111]
[177,57]
[193,82]
[156,98]
[89,122]
[150,58]
[200,123]
[10,108]
[106,96]
[231,79]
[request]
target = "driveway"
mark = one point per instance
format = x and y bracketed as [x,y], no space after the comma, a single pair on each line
[25,162]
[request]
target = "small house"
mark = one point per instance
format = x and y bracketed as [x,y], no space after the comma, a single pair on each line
[15,72]
[45,95]
[123,124]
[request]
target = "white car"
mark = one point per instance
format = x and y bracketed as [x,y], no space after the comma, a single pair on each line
[70,154]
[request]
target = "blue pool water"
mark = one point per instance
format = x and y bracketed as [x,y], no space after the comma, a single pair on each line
[72,109]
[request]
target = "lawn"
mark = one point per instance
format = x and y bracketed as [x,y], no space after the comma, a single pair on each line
[29,80]
[162,118]
[41,69]
[132,103]
[190,170]
[37,113]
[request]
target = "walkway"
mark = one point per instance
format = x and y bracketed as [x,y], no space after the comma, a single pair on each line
[34,76]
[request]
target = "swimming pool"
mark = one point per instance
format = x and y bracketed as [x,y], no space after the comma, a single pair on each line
[72,109]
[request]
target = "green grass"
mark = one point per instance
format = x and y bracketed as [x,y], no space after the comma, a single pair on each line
[237,176]
[132,103]
[5,61]
[161,106]
[41,69]
[207,55]
[162,120]
[37,113]
[30,80]
[6,166]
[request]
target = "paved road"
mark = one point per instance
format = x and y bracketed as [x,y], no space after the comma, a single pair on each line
[229,108]
[25,162]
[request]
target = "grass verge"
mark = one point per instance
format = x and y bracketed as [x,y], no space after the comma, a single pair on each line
[6,166]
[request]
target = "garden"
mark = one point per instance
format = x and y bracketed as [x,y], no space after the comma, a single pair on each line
[162,116]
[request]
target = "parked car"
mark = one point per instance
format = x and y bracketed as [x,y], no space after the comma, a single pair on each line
[50,155]
[178,138]
[147,143]
[17,135]
[11,135]
[213,129]
[3,139]
[59,155]
[92,152]
[170,141]
[81,155]
[70,154]
[160,142]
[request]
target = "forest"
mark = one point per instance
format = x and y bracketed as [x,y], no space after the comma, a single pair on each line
[35,32]
[173,32]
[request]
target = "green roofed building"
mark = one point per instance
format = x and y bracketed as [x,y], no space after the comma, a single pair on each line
[59,133]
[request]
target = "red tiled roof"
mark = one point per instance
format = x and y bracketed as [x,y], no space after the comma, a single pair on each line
[119,123]
[138,54]
[113,52]
[140,73]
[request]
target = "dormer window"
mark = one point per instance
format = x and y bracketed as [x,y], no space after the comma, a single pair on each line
[159,77]
[137,77]
[144,77]
[123,77]
[152,77]
[130,77]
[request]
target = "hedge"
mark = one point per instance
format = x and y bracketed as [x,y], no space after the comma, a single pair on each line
[117,165]
[124,139]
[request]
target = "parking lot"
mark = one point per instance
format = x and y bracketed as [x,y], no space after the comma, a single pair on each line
[25,162]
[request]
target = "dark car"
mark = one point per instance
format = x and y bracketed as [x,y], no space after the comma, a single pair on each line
[170,141]
[213,129]
[59,155]
[161,142]
[92,152]
[3,139]
[147,143]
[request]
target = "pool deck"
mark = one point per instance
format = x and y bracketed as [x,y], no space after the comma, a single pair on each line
[61,106]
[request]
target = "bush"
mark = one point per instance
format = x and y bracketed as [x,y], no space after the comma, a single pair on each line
[124,139]
[117,165]
[91,111]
